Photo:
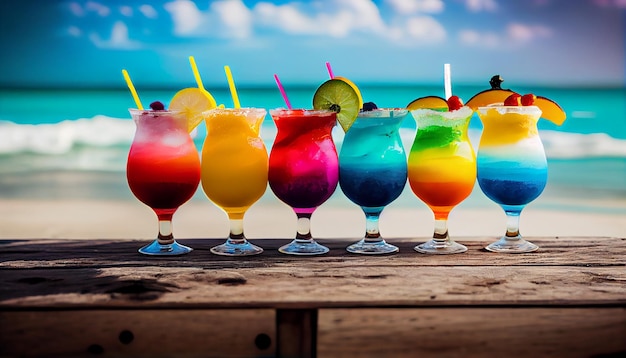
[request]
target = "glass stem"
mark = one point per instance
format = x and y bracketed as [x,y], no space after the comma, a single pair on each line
[304,227]
[236,231]
[440,235]
[512,223]
[372,231]
[166,237]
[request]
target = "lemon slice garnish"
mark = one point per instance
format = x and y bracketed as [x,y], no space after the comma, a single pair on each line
[192,102]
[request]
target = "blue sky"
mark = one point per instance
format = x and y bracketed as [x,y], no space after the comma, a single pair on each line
[52,43]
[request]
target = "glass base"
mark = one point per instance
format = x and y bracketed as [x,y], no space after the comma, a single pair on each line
[157,249]
[512,245]
[440,248]
[372,247]
[303,248]
[232,248]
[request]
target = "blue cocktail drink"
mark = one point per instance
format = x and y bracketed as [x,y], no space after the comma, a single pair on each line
[373,171]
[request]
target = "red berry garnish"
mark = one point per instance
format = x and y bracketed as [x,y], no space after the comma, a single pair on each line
[454,103]
[513,100]
[528,99]
[157,106]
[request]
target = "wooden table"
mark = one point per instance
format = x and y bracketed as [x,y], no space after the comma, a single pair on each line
[65,298]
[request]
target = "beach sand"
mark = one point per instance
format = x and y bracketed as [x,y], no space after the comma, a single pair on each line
[269,218]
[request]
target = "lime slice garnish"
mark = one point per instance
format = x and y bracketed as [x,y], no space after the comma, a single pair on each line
[192,102]
[340,97]
[354,87]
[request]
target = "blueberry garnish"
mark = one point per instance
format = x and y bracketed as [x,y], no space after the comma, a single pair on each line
[157,106]
[369,106]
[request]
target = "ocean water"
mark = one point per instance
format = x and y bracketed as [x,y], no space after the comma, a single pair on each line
[60,143]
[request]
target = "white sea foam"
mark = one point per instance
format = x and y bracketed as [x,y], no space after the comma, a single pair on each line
[62,137]
[102,132]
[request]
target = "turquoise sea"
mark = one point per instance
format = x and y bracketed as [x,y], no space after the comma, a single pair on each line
[72,143]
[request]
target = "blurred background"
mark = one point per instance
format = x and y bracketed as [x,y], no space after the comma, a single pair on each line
[64,123]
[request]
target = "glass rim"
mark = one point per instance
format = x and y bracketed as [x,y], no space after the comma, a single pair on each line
[384,112]
[153,112]
[462,112]
[514,109]
[302,111]
[236,110]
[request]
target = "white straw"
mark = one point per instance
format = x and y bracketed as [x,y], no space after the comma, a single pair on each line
[446,80]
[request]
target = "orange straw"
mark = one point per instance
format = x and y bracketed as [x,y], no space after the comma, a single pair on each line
[132,89]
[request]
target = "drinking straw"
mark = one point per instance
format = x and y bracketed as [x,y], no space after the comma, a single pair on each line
[132,90]
[282,91]
[330,70]
[196,74]
[231,84]
[446,80]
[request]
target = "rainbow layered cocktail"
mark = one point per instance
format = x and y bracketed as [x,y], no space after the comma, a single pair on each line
[442,170]
[512,166]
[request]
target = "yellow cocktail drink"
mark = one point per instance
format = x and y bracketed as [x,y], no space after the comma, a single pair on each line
[234,168]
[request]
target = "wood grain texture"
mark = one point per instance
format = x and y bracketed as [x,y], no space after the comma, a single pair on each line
[76,297]
[112,274]
[138,333]
[473,332]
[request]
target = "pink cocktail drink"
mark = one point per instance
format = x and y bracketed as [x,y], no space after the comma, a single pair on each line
[163,171]
[303,169]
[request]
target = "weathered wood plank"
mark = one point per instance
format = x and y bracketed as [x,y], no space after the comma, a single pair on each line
[95,253]
[567,299]
[110,274]
[138,333]
[473,332]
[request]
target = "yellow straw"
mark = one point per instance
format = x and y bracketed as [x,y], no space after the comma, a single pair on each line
[132,90]
[196,74]
[231,84]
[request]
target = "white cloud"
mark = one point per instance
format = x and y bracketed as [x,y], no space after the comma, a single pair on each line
[414,6]
[186,16]
[76,9]
[515,34]
[148,11]
[98,8]
[526,33]
[425,29]
[74,31]
[234,16]
[481,5]
[126,11]
[119,38]
[479,39]
[331,18]
[339,18]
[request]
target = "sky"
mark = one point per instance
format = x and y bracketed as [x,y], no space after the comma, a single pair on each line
[86,43]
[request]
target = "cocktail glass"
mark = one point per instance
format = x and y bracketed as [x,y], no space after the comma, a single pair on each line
[442,170]
[303,169]
[512,167]
[234,170]
[373,171]
[163,171]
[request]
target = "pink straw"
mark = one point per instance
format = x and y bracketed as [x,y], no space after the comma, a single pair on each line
[330,70]
[282,91]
